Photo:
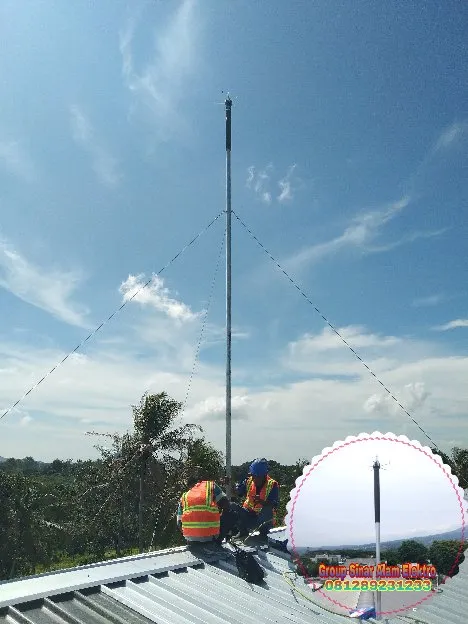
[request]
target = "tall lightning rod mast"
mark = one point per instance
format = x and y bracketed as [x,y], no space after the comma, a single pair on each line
[228,106]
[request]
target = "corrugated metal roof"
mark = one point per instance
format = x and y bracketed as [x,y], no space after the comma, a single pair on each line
[176,586]
[43,585]
[168,587]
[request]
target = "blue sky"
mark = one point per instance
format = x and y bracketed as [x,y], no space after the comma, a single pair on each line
[350,136]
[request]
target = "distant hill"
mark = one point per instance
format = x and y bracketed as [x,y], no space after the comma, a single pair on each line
[426,540]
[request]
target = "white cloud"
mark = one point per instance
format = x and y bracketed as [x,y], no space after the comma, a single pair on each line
[451,135]
[408,238]
[261,182]
[430,300]
[157,296]
[363,229]
[14,159]
[412,397]
[215,334]
[441,148]
[355,335]
[325,354]
[49,291]
[25,421]
[452,325]
[286,186]
[214,408]
[164,82]
[104,164]
[22,417]
[293,412]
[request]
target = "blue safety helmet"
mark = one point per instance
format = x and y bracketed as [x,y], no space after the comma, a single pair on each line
[259,468]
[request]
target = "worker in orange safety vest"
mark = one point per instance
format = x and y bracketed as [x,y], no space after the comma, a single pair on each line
[203,514]
[261,500]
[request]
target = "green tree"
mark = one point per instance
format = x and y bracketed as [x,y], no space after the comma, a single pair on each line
[25,538]
[144,472]
[392,557]
[29,466]
[304,566]
[458,462]
[412,551]
[201,453]
[155,432]
[444,554]
[11,465]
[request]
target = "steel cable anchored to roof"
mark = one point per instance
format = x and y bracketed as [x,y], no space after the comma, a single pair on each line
[95,331]
[333,328]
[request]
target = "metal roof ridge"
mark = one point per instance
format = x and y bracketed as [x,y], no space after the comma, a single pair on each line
[155,553]
[27,589]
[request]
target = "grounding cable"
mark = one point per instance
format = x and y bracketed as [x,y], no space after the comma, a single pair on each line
[192,374]
[296,589]
[92,334]
[333,328]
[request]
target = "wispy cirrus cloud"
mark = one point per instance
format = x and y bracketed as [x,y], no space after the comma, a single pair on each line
[105,166]
[263,182]
[362,233]
[450,135]
[286,186]
[162,83]
[50,291]
[457,323]
[446,141]
[259,182]
[412,237]
[363,230]
[15,159]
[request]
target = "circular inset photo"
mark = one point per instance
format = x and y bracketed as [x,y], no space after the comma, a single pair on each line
[376,525]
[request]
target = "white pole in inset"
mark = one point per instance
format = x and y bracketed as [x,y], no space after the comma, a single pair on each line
[376,466]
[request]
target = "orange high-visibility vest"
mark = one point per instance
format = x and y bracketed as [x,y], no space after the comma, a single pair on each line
[200,513]
[249,502]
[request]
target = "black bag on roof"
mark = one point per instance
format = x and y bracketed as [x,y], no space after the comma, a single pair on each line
[248,567]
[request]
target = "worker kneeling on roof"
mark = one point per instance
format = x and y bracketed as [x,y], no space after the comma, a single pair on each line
[261,500]
[199,516]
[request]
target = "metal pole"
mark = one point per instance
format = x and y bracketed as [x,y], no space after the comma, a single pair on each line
[228,105]
[376,467]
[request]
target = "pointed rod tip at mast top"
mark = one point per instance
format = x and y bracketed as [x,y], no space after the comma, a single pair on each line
[228,99]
